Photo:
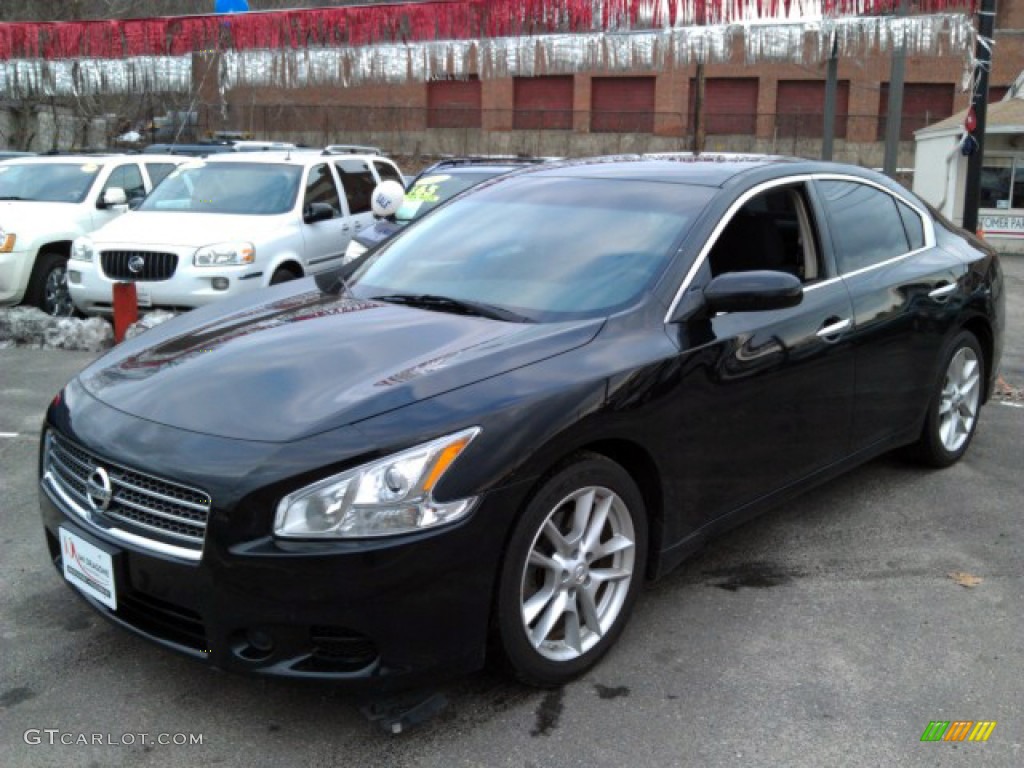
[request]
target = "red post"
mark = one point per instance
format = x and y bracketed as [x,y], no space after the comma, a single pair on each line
[126,309]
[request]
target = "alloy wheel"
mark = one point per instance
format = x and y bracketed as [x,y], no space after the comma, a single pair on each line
[57,297]
[958,403]
[577,576]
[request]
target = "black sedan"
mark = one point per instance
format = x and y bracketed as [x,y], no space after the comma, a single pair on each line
[486,439]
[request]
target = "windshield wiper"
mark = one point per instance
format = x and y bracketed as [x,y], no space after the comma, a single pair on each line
[458,306]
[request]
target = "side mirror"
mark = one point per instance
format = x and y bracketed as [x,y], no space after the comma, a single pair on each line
[754,291]
[113,196]
[315,212]
[135,202]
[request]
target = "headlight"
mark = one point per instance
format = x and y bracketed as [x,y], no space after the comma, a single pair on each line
[386,497]
[7,241]
[82,249]
[225,255]
[353,252]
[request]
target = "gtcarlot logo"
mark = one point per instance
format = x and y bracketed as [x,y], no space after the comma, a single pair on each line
[54,736]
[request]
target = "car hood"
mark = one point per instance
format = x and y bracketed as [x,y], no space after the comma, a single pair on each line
[184,228]
[296,361]
[30,216]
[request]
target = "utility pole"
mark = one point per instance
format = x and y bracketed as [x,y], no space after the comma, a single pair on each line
[983,55]
[699,129]
[894,118]
[831,86]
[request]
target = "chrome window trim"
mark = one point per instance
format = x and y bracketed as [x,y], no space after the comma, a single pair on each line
[927,223]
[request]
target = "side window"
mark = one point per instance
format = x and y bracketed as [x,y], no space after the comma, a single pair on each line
[129,178]
[358,182]
[865,223]
[773,230]
[911,225]
[159,171]
[387,172]
[320,188]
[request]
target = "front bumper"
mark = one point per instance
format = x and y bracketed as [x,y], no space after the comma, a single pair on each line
[189,287]
[376,615]
[15,269]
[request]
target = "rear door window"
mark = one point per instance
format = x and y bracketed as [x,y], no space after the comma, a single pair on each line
[358,183]
[158,171]
[866,226]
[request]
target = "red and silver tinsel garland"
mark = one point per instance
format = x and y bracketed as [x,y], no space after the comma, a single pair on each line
[454,38]
[431,21]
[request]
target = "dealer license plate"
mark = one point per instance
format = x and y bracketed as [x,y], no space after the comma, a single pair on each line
[88,568]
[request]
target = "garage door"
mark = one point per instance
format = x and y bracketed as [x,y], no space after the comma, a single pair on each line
[730,105]
[923,104]
[453,103]
[543,102]
[622,104]
[800,108]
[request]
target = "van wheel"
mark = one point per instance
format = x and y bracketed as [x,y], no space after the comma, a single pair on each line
[48,286]
[572,571]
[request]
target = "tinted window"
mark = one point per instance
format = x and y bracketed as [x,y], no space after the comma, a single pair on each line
[128,178]
[866,227]
[159,171]
[243,188]
[358,183]
[320,188]
[613,239]
[387,172]
[47,182]
[911,225]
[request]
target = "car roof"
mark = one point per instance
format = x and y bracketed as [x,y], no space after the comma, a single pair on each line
[66,159]
[298,156]
[706,169]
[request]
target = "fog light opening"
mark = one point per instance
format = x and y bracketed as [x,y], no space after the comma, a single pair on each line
[220,283]
[75,278]
[253,644]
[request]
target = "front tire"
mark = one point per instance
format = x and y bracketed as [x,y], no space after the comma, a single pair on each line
[954,409]
[48,286]
[572,571]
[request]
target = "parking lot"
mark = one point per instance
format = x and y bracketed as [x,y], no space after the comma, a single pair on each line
[826,633]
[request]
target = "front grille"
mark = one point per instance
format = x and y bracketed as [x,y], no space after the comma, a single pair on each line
[162,619]
[156,266]
[146,506]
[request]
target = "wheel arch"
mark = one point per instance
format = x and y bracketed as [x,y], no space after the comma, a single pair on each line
[980,327]
[288,262]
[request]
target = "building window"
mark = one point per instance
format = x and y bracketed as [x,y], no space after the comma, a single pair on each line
[800,109]
[730,105]
[622,104]
[923,104]
[453,103]
[543,103]
[1002,183]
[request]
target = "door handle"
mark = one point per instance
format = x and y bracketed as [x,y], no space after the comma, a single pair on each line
[833,327]
[942,291]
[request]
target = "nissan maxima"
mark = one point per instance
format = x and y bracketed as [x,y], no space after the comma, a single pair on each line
[504,420]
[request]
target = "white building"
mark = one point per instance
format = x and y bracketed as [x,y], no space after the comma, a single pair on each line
[940,170]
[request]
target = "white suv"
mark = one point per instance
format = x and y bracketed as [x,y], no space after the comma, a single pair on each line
[230,223]
[46,202]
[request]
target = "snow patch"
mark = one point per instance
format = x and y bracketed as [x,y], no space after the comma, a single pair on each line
[31,327]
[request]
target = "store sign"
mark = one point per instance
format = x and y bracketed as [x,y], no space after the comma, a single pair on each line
[1003,226]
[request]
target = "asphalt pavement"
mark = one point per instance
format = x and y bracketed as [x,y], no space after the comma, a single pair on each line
[825,633]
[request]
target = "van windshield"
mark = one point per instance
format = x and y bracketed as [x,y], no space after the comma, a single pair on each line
[257,189]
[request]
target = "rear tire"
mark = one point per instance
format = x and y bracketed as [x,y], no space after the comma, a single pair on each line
[572,571]
[955,405]
[48,285]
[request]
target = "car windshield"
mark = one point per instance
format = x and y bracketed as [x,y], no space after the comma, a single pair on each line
[430,191]
[258,189]
[545,248]
[47,182]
